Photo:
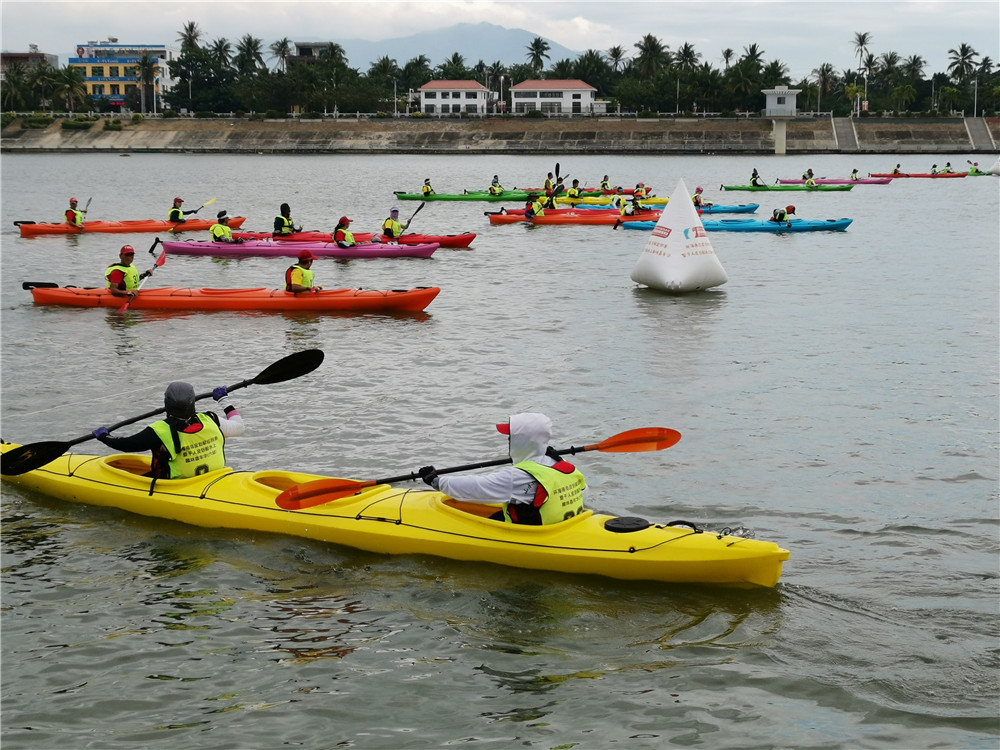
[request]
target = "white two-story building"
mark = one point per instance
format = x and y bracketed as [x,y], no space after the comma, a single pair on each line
[556,97]
[453,97]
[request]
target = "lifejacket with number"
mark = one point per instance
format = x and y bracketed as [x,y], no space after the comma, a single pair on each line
[196,449]
[131,276]
[559,495]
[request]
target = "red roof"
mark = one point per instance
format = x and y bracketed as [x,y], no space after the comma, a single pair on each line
[574,84]
[452,86]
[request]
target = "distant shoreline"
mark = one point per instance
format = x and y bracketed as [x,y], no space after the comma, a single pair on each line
[352,135]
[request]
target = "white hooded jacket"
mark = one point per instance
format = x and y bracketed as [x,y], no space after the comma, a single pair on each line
[529,437]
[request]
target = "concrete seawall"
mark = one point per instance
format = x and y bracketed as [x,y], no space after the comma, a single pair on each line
[520,136]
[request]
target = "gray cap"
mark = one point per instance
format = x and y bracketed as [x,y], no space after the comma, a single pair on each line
[179,400]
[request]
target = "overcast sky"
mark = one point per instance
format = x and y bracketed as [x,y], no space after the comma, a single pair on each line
[802,34]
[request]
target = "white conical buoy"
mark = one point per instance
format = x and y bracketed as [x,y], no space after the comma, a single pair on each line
[678,256]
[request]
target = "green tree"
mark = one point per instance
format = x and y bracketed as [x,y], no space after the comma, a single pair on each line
[383,71]
[249,59]
[15,89]
[453,69]
[221,52]
[146,68]
[904,95]
[826,82]
[754,55]
[44,81]
[653,56]
[616,58]
[963,63]
[281,50]
[538,53]
[727,56]
[861,41]
[190,35]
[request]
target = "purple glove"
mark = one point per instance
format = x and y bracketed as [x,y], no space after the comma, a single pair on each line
[220,392]
[100,433]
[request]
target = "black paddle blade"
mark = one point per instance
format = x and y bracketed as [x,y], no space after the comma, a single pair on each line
[293,366]
[30,457]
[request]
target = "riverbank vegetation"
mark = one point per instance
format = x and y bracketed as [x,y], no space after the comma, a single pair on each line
[235,76]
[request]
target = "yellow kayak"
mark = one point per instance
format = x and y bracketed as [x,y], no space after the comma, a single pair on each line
[395,520]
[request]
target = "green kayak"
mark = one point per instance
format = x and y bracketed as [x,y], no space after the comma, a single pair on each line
[800,188]
[508,196]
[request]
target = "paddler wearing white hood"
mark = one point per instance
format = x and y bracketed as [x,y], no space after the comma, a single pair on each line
[540,488]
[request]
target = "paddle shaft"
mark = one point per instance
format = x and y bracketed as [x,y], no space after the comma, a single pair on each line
[159,262]
[35,455]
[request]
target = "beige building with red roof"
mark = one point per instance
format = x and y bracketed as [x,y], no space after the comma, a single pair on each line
[454,97]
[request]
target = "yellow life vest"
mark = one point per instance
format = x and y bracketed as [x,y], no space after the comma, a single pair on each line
[286,224]
[200,452]
[394,228]
[220,231]
[131,276]
[560,496]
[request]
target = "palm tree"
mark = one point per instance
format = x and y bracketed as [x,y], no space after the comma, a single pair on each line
[15,91]
[616,57]
[826,81]
[70,85]
[753,55]
[913,67]
[334,54]
[282,50]
[963,62]
[775,73]
[43,80]
[249,58]
[986,66]
[686,58]
[383,71]
[416,72]
[453,68]
[653,57]
[221,52]
[592,68]
[190,34]
[538,52]
[147,68]
[903,95]
[861,41]
[948,97]
[727,56]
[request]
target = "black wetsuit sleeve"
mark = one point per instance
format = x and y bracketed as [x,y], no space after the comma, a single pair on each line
[144,440]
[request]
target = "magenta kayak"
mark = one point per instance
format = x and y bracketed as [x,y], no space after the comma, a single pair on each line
[292,249]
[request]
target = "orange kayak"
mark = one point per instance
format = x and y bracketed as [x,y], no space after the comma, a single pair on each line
[271,300]
[30,228]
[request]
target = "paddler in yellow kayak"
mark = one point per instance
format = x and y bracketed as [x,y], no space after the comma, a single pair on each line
[186,443]
[540,488]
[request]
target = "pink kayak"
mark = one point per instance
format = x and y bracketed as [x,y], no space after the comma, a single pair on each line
[292,249]
[444,240]
[845,181]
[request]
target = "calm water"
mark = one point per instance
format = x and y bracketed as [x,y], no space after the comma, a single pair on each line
[838,396]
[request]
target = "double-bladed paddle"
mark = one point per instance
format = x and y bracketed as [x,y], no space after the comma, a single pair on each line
[159,262]
[321,491]
[209,202]
[30,457]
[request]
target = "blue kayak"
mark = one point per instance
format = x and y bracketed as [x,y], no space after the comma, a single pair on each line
[760,225]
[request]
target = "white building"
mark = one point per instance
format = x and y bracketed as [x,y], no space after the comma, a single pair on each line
[780,102]
[453,97]
[556,97]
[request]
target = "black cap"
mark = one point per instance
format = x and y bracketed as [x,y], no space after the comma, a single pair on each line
[179,400]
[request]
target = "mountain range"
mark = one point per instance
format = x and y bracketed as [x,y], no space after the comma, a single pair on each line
[480,41]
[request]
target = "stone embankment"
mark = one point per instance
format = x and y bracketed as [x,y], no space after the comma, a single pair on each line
[516,135]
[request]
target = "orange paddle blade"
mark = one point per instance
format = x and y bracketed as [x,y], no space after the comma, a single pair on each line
[318,492]
[638,441]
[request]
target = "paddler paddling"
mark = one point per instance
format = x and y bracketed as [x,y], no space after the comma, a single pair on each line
[177,214]
[495,187]
[698,201]
[391,228]
[540,488]
[755,179]
[426,189]
[186,443]
[123,277]
[342,234]
[533,207]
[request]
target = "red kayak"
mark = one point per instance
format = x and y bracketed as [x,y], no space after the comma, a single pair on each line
[921,174]
[574,217]
[30,228]
[444,240]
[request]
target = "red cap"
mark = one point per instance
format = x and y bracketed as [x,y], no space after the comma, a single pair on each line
[126,249]
[306,255]
[73,200]
[504,429]
[178,200]
[344,220]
